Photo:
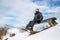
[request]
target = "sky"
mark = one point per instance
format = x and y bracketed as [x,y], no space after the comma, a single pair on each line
[20,12]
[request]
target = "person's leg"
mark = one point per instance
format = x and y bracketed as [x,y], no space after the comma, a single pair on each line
[30,25]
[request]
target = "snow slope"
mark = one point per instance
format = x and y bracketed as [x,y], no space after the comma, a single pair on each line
[49,34]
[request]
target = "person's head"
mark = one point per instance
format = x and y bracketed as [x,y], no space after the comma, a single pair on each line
[36,9]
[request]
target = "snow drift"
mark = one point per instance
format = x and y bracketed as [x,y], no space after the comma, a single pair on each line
[52,33]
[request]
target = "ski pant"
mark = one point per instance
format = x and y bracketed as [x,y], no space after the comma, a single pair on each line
[30,26]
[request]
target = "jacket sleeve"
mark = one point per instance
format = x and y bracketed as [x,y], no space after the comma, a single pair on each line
[35,13]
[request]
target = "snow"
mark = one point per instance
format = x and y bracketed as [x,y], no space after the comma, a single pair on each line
[52,33]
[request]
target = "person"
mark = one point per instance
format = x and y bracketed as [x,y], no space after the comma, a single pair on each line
[37,19]
[38,16]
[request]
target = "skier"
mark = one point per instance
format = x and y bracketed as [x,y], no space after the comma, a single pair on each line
[38,16]
[37,19]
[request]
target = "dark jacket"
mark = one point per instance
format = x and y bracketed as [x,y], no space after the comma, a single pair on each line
[38,16]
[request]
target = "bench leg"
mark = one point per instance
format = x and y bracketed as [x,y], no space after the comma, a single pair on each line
[30,25]
[52,23]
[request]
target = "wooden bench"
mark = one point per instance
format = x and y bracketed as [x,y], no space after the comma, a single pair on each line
[50,21]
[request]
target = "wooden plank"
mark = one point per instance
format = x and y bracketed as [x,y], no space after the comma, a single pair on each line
[46,20]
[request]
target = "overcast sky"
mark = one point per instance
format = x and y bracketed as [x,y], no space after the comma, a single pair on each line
[20,12]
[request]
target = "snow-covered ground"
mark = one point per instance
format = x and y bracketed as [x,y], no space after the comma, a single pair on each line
[49,34]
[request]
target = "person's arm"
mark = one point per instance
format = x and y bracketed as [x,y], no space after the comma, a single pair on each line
[35,13]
